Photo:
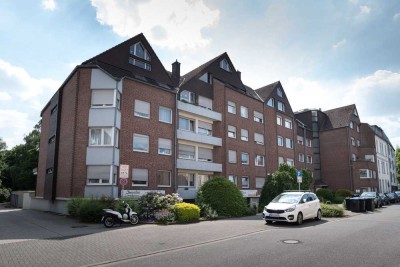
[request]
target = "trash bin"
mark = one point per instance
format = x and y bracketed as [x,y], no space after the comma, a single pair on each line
[354,204]
[347,200]
[369,204]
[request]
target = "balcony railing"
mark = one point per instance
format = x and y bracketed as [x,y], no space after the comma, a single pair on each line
[198,165]
[200,111]
[199,138]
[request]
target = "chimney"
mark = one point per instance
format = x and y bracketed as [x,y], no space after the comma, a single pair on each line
[239,73]
[176,72]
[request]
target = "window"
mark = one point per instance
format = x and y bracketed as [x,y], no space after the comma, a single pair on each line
[353,157]
[290,162]
[288,124]
[351,125]
[280,141]
[358,129]
[245,181]
[49,171]
[309,143]
[370,158]
[223,64]
[309,159]
[231,107]
[301,157]
[140,177]
[358,143]
[204,128]
[52,139]
[140,64]
[139,51]
[165,115]
[202,178]
[355,113]
[205,102]
[118,103]
[102,98]
[163,178]
[289,143]
[271,102]
[140,143]
[164,146]
[205,154]
[279,120]
[53,110]
[186,152]
[206,77]
[244,112]
[258,117]
[142,109]
[232,156]
[279,92]
[259,160]
[260,181]
[245,158]
[188,97]
[186,179]
[186,124]
[231,131]
[244,135]
[365,173]
[98,174]
[280,160]
[281,106]
[233,178]
[100,137]
[259,138]
[300,140]
[353,142]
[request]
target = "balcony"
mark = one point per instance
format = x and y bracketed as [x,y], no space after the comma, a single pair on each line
[104,117]
[209,114]
[102,155]
[199,138]
[198,165]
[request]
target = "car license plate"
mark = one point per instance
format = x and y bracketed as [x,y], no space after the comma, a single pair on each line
[273,215]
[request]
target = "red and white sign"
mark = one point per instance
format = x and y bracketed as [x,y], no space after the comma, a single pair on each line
[124,171]
[123,181]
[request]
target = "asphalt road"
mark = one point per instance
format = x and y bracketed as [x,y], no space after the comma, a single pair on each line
[367,239]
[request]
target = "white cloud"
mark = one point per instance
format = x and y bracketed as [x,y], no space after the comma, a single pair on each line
[18,117]
[4,96]
[176,24]
[396,17]
[365,10]
[339,44]
[49,4]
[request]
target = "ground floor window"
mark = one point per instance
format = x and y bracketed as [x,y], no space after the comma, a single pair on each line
[164,178]
[101,174]
[186,179]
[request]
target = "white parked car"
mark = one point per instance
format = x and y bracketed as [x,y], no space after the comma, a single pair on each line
[293,207]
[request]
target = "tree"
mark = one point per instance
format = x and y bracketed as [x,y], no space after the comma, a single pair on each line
[285,178]
[398,164]
[20,161]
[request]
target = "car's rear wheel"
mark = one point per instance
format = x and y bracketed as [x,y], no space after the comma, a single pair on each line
[299,218]
[319,215]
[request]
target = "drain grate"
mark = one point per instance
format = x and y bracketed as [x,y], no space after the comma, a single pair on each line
[291,241]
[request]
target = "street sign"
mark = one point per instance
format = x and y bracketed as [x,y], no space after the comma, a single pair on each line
[123,171]
[123,181]
[299,177]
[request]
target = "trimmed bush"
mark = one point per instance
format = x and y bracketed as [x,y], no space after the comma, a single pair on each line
[73,206]
[186,212]
[223,197]
[338,199]
[91,210]
[325,194]
[331,210]
[343,193]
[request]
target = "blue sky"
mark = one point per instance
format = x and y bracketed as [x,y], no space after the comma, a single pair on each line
[327,54]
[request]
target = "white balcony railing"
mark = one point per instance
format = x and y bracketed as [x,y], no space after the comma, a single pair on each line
[198,165]
[199,138]
[200,111]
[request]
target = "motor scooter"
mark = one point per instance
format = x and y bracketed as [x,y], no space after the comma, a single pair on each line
[111,217]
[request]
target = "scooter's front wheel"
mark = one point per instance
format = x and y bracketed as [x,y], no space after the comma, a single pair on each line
[134,219]
[108,221]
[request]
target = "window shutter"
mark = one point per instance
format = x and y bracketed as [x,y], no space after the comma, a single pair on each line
[232,156]
[244,133]
[258,115]
[231,128]
[205,125]
[205,102]
[259,138]
[102,97]
[140,174]
[164,143]
[205,153]
[98,172]
[142,107]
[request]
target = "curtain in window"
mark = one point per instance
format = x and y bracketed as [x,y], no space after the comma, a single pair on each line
[142,108]
[95,137]
[165,114]
[107,136]
[140,142]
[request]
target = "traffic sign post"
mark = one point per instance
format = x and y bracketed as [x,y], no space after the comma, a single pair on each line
[123,176]
[299,177]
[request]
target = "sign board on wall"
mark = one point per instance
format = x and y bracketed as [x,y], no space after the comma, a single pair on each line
[249,193]
[124,171]
[139,193]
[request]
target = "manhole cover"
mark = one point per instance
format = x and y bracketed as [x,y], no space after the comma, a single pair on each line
[291,241]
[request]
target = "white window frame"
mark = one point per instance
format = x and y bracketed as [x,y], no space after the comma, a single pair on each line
[353,141]
[190,98]
[99,178]
[244,112]
[140,64]
[232,134]
[102,134]
[281,106]
[139,113]
[245,177]
[262,138]
[279,92]
[231,107]
[163,150]
[290,162]
[180,155]
[288,124]
[258,179]
[280,138]
[309,142]
[235,156]
[279,120]
[161,108]
[271,102]
[258,117]
[190,124]
[309,159]
[102,91]
[248,158]
[141,136]
[138,185]
[244,135]
[257,159]
[233,179]
[290,142]
[301,157]
[300,140]
[135,53]
[191,175]
[224,64]
[281,160]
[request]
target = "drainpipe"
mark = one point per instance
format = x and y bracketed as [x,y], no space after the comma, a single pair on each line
[114,143]
[350,162]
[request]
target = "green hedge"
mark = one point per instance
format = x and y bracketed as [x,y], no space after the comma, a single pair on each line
[343,193]
[331,210]
[325,194]
[186,212]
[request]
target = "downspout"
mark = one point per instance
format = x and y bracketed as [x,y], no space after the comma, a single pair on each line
[304,145]
[350,162]
[114,139]
[175,136]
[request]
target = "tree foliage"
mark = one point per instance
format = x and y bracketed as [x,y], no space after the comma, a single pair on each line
[17,164]
[285,178]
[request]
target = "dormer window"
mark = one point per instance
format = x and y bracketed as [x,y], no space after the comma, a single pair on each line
[139,51]
[271,102]
[223,64]
[206,77]
[188,97]
[279,92]
[355,113]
